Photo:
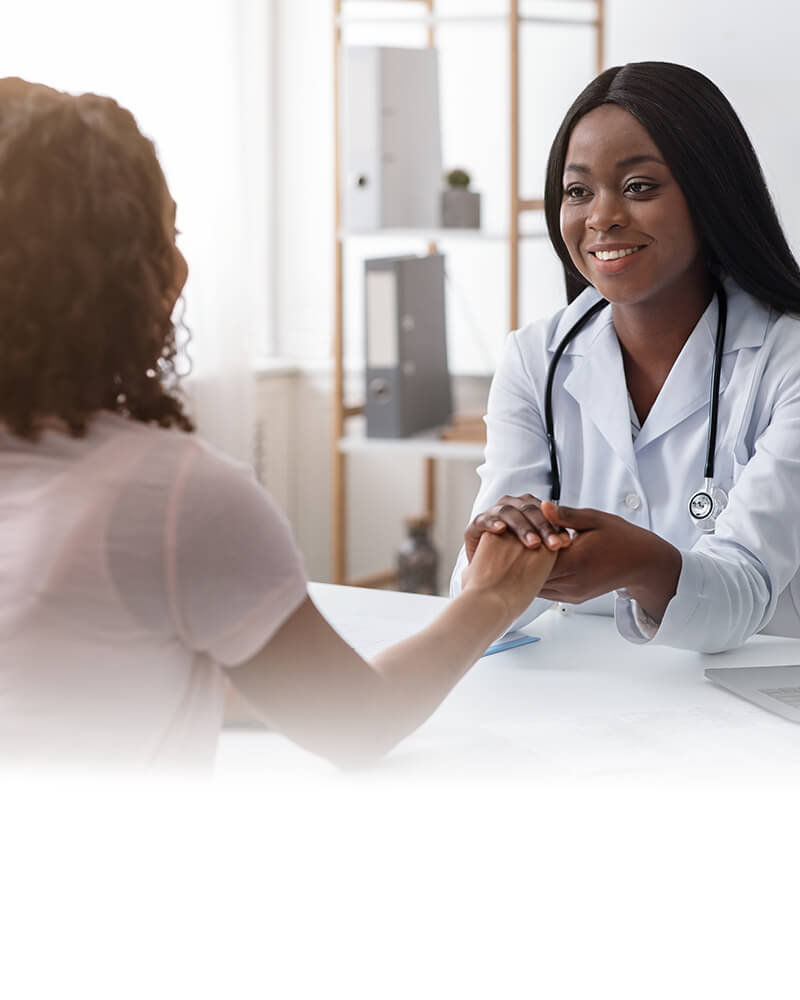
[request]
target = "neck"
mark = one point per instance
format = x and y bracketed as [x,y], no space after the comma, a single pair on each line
[653,333]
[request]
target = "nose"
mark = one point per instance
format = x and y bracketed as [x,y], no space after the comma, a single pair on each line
[607,211]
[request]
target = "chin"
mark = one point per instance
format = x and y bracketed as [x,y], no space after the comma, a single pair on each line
[623,293]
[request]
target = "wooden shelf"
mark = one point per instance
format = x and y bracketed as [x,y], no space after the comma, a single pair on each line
[440,235]
[348,437]
[446,20]
[427,445]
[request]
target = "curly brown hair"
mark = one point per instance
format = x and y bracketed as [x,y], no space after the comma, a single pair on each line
[87,265]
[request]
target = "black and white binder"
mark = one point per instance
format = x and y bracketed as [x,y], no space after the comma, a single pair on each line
[407,379]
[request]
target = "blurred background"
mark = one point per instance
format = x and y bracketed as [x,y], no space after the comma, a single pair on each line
[239,98]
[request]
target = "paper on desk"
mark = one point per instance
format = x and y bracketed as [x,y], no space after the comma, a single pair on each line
[509,641]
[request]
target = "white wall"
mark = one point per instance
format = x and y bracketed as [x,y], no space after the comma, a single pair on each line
[750,50]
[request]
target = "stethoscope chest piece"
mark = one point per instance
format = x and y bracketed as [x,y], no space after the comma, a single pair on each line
[706,505]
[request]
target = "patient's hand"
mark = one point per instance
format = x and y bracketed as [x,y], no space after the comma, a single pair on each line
[510,571]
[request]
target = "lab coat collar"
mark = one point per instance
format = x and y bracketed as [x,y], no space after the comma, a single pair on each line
[748,321]
[687,387]
[573,312]
[597,380]
[597,384]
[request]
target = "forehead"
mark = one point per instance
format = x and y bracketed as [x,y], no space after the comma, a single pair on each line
[606,135]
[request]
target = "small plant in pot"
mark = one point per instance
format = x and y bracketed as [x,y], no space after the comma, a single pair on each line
[461,208]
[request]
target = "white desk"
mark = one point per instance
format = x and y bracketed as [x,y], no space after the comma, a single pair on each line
[582,704]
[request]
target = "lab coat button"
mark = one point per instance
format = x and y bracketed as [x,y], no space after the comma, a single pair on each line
[633,501]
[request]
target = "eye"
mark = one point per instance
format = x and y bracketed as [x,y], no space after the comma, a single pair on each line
[574,192]
[640,187]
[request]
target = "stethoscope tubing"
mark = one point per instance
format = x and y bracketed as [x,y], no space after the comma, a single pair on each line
[575,329]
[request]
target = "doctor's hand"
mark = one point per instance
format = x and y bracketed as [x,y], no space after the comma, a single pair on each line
[608,553]
[520,516]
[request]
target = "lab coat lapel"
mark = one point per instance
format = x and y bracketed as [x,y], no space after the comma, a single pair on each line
[685,389]
[597,383]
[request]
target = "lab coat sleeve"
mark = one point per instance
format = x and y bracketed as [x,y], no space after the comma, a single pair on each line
[516,458]
[730,581]
[633,622]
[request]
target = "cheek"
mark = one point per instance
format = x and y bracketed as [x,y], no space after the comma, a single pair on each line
[676,220]
[564,225]
[571,231]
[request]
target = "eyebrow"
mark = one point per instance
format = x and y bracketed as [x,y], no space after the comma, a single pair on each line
[629,161]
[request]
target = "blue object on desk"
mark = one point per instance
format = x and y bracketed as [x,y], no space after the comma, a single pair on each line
[509,640]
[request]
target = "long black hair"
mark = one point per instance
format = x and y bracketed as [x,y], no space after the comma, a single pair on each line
[713,161]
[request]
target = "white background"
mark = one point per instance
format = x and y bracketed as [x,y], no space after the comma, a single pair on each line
[357,890]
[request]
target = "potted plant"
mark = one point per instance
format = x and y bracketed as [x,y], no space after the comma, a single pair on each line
[461,208]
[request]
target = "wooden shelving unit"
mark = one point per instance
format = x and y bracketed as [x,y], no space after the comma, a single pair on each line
[427,447]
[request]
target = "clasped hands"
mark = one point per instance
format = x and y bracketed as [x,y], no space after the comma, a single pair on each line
[596,552]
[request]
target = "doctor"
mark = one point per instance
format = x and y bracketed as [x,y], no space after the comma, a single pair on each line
[671,432]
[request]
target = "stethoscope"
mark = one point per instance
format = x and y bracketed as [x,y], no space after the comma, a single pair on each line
[709,501]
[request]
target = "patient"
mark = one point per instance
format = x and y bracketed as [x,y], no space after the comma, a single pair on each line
[139,568]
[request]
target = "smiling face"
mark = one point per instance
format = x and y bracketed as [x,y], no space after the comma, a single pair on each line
[624,220]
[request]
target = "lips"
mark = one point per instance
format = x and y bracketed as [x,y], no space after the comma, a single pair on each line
[615,254]
[614,258]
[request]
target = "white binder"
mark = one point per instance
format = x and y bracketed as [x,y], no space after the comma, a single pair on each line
[392,158]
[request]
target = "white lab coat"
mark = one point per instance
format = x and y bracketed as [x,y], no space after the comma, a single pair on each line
[740,580]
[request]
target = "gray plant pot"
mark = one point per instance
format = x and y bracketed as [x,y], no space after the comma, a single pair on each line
[461,209]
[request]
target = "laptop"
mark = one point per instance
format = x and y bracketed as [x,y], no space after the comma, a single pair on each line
[775,688]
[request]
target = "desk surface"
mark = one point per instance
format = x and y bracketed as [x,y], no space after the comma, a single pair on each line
[582,704]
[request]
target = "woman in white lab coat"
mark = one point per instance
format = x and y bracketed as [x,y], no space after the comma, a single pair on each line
[656,203]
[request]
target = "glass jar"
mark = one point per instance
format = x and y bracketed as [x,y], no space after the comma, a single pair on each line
[418,560]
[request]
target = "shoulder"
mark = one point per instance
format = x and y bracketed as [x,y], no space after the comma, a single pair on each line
[775,336]
[179,473]
[128,435]
[544,335]
[752,323]
[531,348]
[155,452]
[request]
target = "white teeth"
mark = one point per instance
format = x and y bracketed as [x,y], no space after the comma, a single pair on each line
[614,254]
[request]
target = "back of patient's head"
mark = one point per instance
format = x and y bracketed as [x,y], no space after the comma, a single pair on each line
[86,264]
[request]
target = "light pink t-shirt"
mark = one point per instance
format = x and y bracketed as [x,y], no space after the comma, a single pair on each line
[133,562]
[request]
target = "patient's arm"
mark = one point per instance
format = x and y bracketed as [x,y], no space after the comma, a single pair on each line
[309,684]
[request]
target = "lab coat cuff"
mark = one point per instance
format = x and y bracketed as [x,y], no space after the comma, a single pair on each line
[632,622]
[677,621]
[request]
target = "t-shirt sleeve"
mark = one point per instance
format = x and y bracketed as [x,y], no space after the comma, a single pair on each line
[233,571]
